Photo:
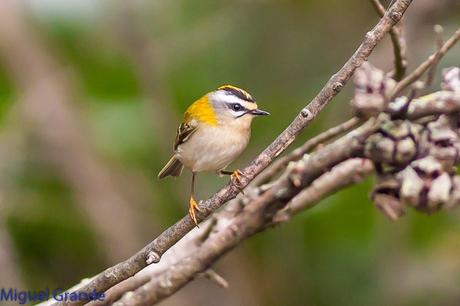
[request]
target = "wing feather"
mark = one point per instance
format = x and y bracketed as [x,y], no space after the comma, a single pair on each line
[185,130]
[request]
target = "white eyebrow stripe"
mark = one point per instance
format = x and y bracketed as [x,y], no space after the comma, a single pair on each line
[223,97]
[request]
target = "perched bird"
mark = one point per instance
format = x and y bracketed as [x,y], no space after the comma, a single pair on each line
[215,130]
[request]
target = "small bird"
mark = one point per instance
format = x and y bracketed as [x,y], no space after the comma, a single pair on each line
[215,130]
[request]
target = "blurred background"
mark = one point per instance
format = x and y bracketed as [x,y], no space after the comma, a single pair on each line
[91,93]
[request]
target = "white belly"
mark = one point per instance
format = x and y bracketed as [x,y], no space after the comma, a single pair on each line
[212,148]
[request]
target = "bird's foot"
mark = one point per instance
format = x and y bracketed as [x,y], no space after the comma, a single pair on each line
[236,176]
[192,209]
[236,179]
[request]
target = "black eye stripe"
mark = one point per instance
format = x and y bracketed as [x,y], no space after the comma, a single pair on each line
[238,93]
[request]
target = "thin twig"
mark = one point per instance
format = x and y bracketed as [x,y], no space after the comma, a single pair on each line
[438,30]
[311,144]
[420,70]
[169,237]
[399,44]
[215,277]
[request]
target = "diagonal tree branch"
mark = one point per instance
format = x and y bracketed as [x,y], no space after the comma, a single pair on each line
[254,217]
[340,176]
[153,251]
[179,263]
[303,184]
[177,231]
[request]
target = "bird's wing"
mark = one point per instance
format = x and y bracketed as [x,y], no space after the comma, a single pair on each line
[199,111]
[185,130]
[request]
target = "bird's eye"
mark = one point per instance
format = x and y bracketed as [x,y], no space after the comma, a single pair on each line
[237,107]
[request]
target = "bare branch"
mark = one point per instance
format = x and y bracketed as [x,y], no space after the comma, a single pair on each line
[201,247]
[116,292]
[432,59]
[127,268]
[311,144]
[399,45]
[256,216]
[274,204]
[344,174]
[268,207]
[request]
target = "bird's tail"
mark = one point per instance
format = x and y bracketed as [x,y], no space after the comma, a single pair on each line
[173,167]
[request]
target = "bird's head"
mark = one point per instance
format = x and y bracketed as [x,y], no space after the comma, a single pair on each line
[234,106]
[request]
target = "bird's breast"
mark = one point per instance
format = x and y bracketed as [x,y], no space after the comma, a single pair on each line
[212,148]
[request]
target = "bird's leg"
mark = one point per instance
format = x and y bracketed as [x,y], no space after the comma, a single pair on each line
[235,176]
[193,206]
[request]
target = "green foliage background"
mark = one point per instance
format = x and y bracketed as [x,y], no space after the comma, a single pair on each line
[343,252]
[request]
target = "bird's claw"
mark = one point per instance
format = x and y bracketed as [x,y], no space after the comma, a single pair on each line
[192,209]
[236,178]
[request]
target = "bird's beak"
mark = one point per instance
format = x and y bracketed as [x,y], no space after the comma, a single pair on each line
[259,112]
